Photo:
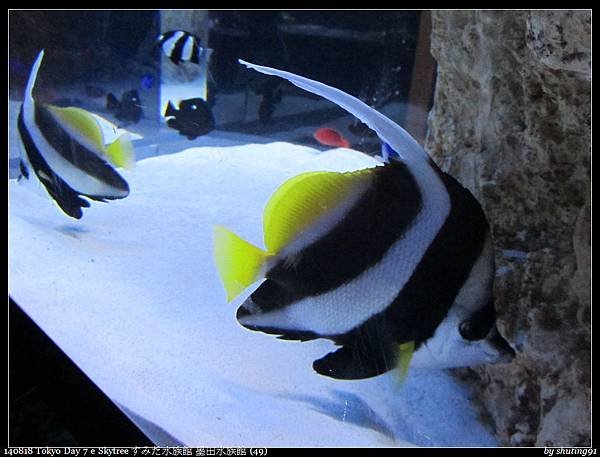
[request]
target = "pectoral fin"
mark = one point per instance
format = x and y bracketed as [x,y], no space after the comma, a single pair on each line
[353,362]
[367,351]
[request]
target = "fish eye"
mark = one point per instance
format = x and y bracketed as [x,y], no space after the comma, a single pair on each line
[473,330]
[466,330]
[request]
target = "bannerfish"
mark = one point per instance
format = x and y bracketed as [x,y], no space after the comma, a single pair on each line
[129,109]
[181,46]
[330,137]
[64,148]
[193,118]
[393,263]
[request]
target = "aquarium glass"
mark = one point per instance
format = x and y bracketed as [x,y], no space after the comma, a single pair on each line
[129,290]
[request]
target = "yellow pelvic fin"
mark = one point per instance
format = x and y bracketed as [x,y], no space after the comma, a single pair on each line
[301,200]
[120,152]
[405,353]
[238,262]
[80,123]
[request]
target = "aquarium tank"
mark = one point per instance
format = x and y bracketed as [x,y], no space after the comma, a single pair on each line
[235,229]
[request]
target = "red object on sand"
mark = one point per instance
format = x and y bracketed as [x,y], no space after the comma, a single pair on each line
[330,137]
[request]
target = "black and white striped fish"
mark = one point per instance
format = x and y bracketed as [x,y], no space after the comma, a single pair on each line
[181,46]
[394,263]
[65,150]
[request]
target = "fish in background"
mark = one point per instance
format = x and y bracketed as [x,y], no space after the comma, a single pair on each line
[330,137]
[192,118]
[271,96]
[63,149]
[147,81]
[181,46]
[393,263]
[93,91]
[128,110]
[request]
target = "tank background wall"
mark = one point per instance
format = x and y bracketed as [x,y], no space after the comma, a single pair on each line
[512,121]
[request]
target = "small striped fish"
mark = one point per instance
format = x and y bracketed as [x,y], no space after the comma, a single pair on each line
[181,46]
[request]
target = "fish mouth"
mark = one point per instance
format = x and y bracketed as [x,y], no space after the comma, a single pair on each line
[242,313]
[504,353]
[247,309]
[244,316]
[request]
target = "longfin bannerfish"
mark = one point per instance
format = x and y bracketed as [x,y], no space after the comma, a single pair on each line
[181,46]
[393,263]
[64,148]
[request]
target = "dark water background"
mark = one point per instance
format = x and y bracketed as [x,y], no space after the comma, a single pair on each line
[369,54]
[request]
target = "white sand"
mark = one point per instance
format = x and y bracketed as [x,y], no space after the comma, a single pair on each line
[131,295]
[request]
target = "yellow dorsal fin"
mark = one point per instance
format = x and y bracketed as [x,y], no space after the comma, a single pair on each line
[405,353]
[81,124]
[120,152]
[301,200]
[238,262]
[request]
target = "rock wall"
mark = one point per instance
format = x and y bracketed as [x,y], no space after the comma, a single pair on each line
[512,121]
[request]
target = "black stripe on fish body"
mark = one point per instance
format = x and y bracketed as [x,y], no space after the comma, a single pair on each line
[443,270]
[376,221]
[170,54]
[67,199]
[75,153]
[427,297]
[163,38]
[177,52]
[371,349]
[196,50]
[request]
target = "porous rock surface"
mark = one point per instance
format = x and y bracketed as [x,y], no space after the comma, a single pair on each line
[511,121]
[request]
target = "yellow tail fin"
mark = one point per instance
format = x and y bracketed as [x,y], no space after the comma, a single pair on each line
[238,262]
[120,152]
